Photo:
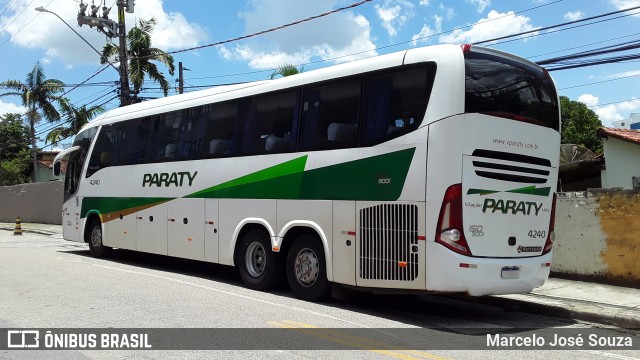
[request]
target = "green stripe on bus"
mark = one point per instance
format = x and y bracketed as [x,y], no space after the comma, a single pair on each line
[379,177]
[527,190]
[105,205]
[290,168]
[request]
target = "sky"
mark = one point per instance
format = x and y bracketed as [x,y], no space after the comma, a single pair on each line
[374,28]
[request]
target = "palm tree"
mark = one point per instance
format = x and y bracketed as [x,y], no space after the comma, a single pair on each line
[285,70]
[38,95]
[140,55]
[78,117]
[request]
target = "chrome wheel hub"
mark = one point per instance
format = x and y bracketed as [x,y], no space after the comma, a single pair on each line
[306,267]
[255,259]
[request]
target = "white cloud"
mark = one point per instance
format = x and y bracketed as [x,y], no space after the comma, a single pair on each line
[588,99]
[574,15]
[339,35]
[624,74]
[479,4]
[172,31]
[611,112]
[424,2]
[9,108]
[608,114]
[494,25]
[448,11]
[394,14]
[426,32]
[625,4]
[423,35]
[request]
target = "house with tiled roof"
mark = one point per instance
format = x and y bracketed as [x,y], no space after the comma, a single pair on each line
[622,154]
[45,166]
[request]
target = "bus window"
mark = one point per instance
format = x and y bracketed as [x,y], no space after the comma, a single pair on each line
[76,162]
[396,103]
[270,124]
[219,122]
[330,116]
[503,87]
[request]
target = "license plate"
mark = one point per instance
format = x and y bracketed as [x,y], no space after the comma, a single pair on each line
[510,272]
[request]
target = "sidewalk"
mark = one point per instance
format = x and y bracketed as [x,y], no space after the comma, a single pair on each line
[604,304]
[44,229]
[599,303]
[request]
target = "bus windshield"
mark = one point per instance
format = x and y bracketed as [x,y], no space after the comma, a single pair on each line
[501,86]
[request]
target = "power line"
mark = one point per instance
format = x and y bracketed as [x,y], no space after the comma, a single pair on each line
[599,82]
[269,30]
[615,102]
[16,17]
[557,25]
[585,45]
[374,49]
[5,9]
[23,26]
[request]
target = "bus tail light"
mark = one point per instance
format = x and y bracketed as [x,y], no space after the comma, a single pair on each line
[449,230]
[552,224]
[465,47]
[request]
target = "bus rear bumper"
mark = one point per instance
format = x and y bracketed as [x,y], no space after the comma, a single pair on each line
[448,271]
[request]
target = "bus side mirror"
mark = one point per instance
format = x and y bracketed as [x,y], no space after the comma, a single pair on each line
[56,168]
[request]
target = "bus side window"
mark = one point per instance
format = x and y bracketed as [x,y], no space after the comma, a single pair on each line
[270,124]
[330,116]
[396,103]
[221,122]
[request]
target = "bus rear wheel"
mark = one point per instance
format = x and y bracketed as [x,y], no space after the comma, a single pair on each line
[96,246]
[306,269]
[259,266]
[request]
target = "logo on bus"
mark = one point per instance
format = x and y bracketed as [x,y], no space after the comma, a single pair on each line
[511,207]
[522,249]
[384,181]
[176,179]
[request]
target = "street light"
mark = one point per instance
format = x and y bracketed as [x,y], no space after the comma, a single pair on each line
[41,9]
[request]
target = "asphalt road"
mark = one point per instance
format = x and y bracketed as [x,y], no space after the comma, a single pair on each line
[46,282]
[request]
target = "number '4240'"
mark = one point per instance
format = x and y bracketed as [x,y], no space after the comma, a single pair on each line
[536,234]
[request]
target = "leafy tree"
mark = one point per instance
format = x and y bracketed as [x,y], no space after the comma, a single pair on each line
[579,125]
[38,95]
[78,117]
[285,70]
[14,150]
[140,55]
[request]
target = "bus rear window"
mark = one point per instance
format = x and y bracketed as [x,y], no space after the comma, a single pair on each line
[508,88]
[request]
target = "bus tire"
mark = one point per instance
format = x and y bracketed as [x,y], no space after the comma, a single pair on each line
[259,266]
[96,246]
[306,269]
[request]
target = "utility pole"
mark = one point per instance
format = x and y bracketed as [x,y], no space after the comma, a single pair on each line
[124,65]
[181,77]
[111,29]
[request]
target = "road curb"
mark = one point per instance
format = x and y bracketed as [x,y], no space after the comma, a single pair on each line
[600,313]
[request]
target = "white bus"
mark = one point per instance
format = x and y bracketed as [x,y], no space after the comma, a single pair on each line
[431,169]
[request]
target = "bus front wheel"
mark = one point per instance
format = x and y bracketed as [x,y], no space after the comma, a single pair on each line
[306,269]
[96,246]
[259,266]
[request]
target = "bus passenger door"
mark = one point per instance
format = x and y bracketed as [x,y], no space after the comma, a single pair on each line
[211,229]
[186,228]
[71,219]
[344,242]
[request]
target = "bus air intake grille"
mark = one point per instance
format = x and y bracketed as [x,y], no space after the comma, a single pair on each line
[511,167]
[389,242]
